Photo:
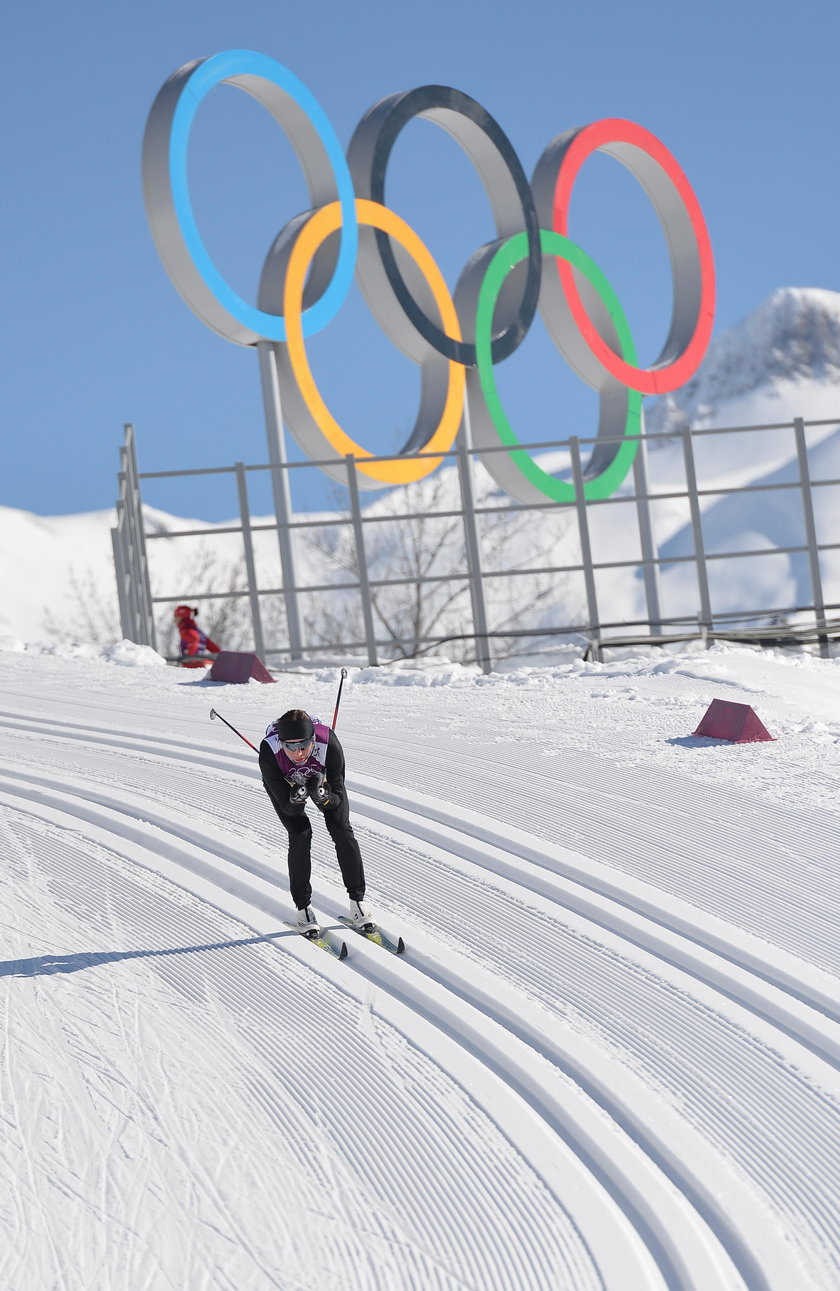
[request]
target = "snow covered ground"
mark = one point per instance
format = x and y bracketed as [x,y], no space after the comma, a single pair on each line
[608,1061]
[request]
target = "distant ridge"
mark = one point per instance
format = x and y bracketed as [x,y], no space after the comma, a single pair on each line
[793,337]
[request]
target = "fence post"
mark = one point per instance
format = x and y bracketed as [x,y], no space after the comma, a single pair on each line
[361,559]
[650,566]
[119,568]
[250,565]
[134,622]
[811,531]
[705,615]
[473,550]
[585,550]
[140,592]
[280,491]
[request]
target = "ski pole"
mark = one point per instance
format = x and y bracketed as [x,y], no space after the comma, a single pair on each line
[338,697]
[213,714]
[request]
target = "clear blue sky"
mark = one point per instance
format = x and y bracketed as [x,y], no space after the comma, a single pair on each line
[744,94]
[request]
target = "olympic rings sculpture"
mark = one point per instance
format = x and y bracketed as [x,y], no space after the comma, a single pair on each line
[456,339]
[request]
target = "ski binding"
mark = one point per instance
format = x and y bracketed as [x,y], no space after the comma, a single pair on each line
[376,936]
[320,940]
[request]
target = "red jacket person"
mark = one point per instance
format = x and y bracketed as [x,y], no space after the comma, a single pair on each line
[302,761]
[193,640]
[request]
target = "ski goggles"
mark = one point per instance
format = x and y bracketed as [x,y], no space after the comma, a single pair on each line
[296,746]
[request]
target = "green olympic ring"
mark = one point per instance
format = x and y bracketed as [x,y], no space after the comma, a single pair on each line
[602,485]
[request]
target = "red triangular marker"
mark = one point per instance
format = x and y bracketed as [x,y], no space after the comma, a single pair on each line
[737,723]
[238,666]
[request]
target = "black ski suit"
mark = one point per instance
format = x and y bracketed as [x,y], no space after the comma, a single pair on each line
[297,825]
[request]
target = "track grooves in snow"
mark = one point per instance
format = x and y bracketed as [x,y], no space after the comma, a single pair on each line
[677,934]
[483,1230]
[791,975]
[695,1274]
[621,1113]
[580,1005]
[690,1256]
[715,868]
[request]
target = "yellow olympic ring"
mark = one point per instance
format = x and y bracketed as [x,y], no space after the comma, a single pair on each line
[316,230]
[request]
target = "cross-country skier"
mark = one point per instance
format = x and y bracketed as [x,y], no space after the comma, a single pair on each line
[193,640]
[300,759]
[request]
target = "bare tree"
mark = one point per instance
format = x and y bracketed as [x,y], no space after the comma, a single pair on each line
[406,556]
[225,619]
[416,560]
[94,617]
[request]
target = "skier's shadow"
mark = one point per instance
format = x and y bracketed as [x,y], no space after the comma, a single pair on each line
[43,965]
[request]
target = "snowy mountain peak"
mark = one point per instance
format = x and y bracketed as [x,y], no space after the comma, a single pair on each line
[793,337]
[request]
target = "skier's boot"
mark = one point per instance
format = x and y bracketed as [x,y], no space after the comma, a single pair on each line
[307,922]
[361,917]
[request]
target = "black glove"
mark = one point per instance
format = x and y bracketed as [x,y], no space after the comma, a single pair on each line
[298,789]
[319,790]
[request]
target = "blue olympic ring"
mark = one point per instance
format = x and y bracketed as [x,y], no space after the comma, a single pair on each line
[233,65]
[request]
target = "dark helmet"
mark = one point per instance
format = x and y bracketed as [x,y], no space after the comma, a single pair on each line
[294,728]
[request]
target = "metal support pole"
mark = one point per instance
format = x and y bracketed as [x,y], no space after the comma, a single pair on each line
[585,550]
[473,550]
[650,567]
[119,570]
[133,534]
[705,615]
[361,559]
[140,589]
[125,566]
[128,542]
[133,618]
[280,491]
[818,600]
[250,565]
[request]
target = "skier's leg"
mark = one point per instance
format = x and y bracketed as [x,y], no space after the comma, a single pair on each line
[300,858]
[347,851]
[299,831]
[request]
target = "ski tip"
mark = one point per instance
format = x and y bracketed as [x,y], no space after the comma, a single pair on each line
[400,946]
[342,954]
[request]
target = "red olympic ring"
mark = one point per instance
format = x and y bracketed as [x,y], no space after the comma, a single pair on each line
[644,155]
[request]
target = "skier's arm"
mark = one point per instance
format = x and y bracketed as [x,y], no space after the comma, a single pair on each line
[334,767]
[275,783]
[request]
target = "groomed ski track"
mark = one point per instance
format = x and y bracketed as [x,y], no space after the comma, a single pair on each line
[609,1059]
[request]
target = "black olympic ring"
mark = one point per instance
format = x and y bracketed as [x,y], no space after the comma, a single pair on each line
[390,281]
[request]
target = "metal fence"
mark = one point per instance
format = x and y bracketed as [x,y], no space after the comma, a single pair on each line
[768,622]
